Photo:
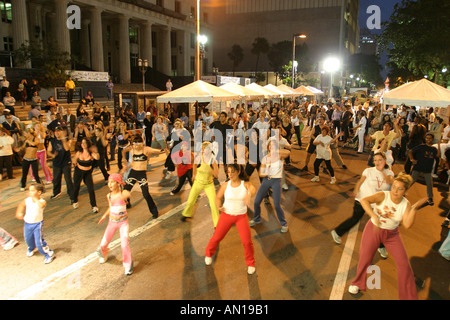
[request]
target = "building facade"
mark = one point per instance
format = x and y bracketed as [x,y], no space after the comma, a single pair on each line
[112,34]
[331,27]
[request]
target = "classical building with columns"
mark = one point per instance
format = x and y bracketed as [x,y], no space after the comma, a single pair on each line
[112,34]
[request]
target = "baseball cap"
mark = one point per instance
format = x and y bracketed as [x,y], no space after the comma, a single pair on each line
[116,177]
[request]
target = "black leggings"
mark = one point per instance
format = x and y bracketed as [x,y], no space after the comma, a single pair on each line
[25,168]
[182,180]
[141,178]
[327,163]
[86,176]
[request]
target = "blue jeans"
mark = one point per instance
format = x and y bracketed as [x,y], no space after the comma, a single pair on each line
[275,185]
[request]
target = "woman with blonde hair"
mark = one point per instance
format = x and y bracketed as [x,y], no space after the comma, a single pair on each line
[203,177]
[387,209]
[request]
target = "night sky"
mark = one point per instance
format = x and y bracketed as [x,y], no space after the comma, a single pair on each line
[386,7]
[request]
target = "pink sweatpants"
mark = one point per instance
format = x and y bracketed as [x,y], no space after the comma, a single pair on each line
[223,226]
[124,241]
[42,157]
[371,239]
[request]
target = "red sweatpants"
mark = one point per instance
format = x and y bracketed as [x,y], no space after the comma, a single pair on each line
[223,226]
[371,239]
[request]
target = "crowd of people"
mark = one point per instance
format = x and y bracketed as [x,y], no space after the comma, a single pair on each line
[242,140]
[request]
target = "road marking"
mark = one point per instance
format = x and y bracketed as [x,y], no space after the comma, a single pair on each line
[57,276]
[337,292]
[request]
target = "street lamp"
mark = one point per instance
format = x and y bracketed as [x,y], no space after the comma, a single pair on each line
[302,36]
[143,66]
[331,65]
[202,40]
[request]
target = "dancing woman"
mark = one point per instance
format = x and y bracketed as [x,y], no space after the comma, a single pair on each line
[203,180]
[237,193]
[373,180]
[140,154]
[390,208]
[29,158]
[83,162]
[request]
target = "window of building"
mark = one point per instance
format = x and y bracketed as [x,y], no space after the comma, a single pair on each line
[192,66]
[8,44]
[173,39]
[5,10]
[174,66]
[153,39]
[108,33]
[178,6]
[193,41]
[134,35]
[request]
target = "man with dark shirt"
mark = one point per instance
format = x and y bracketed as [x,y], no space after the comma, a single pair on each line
[423,158]
[221,126]
[59,149]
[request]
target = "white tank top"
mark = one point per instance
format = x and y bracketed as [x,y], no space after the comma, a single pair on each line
[234,203]
[390,214]
[33,213]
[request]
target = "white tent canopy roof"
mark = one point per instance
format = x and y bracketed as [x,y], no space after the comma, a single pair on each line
[267,93]
[422,93]
[197,91]
[276,90]
[287,89]
[242,91]
[315,90]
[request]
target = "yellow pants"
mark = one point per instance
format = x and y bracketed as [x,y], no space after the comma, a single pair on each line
[193,195]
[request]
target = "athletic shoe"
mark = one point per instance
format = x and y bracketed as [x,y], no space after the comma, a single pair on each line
[353,289]
[315,179]
[284,229]
[285,187]
[208,261]
[252,222]
[336,237]
[54,196]
[101,259]
[75,205]
[30,253]
[333,180]
[94,210]
[305,168]
[129,271]
[22,189]
[10,244]
[430,202]
[49,259]
[383,253]
[251,270]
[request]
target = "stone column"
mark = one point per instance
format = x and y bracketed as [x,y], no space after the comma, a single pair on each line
[62,34]
[97,40]
[146,43]
[85,43]
[165,52]
[124,49]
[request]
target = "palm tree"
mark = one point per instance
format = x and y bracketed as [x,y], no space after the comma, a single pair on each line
[236,55]
[259,46]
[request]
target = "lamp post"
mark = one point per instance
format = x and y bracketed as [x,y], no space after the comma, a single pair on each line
[143,66]
[202,40]
[300,35]
[197,51]
[331,65]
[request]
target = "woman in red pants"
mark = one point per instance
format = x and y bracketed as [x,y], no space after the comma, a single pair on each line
[390,209]
[237,193]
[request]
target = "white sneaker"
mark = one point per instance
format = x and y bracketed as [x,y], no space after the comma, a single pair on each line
[10,244]
[336,237]
[333,180]
[284,229]
[208,261]
[251,270]
[75,205]
[315,179]
[383,253]
[353,289]
[94,210]
[285,187]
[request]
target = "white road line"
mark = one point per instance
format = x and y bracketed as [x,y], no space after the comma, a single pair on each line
[54,278]
[339,286]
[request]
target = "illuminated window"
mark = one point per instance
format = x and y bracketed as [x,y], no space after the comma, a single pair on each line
[5,10]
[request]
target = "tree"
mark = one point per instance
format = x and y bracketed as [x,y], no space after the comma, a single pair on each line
[260,46]
[416,37]
[236,55]
[367,67]
[279,55]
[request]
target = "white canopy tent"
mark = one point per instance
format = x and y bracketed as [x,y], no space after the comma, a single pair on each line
[267,93]
[304,91]
[423,93]
[315,90]
[276,90]
[244,92]
[287,89]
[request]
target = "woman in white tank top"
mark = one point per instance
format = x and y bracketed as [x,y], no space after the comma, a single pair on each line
[236,192]
[390,208]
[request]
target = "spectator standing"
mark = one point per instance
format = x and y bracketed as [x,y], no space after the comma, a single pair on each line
[70,87]
[109,89]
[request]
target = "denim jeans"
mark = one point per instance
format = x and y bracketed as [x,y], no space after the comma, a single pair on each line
[275,185]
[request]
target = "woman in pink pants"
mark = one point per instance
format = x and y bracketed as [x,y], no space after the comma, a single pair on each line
[390,208]
[41,153]
[118,220]
[237,192]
